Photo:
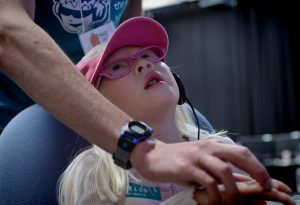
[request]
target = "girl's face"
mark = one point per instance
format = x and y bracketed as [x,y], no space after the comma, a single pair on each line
[149,86]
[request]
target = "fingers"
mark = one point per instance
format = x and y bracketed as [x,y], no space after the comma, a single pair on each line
[277,196]
[250,187]
[242,158]
[285,198]
[216,167]
[210,185]
[221,171]
[280,192]
[281,186]
[240,177]
[251,202]
[201,197]
[250,190]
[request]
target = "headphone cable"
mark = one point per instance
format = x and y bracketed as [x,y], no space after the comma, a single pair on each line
[194,112]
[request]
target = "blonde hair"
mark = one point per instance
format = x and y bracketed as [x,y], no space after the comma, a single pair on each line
[93,178]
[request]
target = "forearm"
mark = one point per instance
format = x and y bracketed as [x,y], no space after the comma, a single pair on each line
[42,70]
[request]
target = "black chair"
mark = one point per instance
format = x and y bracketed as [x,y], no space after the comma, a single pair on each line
[35,148]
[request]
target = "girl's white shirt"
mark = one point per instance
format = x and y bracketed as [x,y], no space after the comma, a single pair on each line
[141,191]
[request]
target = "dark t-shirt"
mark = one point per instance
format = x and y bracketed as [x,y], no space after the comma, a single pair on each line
[63,20]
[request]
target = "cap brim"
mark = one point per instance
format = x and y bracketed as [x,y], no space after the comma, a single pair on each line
[137,31]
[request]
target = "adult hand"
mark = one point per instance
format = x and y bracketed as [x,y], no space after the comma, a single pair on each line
[203,163]
[250,193]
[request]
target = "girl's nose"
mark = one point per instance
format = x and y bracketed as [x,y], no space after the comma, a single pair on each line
[141,64]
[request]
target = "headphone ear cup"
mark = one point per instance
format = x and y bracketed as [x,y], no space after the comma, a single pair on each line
[182,95]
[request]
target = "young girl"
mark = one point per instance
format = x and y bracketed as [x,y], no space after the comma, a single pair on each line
[130,71]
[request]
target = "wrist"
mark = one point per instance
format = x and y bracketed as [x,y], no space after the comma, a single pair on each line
[139,153]
[132,134]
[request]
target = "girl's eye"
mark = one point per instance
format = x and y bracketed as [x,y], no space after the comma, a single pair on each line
[117,68]
[148,55]
[145,56]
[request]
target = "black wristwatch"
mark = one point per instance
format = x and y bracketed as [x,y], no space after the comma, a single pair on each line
[131,134]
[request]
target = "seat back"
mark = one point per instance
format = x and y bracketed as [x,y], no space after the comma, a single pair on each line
[35,148]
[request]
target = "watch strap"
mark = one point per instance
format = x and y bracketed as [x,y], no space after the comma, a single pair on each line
[131,135]
[121,158]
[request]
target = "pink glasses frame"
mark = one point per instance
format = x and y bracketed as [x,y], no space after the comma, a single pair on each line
[131,58]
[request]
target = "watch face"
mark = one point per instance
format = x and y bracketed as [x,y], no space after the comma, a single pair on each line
[133,133]
[137,129]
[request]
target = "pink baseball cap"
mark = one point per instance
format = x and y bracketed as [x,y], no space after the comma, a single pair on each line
[137,31]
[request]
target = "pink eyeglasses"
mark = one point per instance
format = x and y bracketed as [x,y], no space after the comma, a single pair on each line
[122,66]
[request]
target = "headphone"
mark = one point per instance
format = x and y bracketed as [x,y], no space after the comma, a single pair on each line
[182,95]
[183,98]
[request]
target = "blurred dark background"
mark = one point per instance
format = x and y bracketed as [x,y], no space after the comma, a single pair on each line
[240,68]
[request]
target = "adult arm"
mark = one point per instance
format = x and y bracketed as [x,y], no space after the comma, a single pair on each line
[33,60]
[133,8]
